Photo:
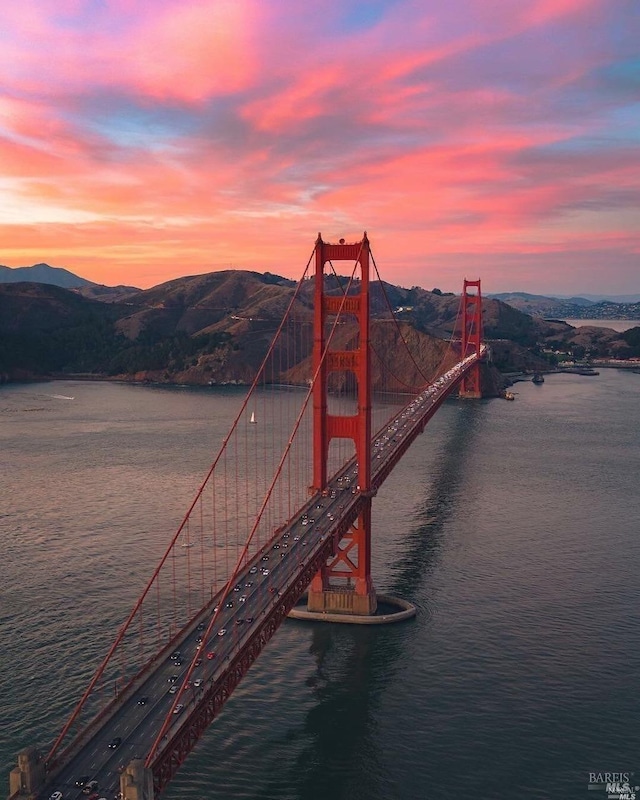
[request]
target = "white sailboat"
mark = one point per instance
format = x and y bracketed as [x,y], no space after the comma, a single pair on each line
[253,418]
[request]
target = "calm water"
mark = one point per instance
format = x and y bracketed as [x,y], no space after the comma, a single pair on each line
[512,526]
[615,324]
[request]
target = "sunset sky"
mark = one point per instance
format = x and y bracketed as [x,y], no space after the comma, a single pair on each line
[143,140]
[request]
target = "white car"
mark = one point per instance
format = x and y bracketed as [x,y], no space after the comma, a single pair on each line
[56,796]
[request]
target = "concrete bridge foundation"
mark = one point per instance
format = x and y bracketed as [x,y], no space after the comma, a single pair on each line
[26,779]
[136,782]
[389,609]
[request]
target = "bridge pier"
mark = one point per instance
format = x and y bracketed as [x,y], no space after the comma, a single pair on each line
[470,394]
[389,609]
[27,778]
[342,600]
[136,782]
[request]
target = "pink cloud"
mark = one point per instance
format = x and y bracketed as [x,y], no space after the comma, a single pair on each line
[201,134]
[185,50]
[194,50]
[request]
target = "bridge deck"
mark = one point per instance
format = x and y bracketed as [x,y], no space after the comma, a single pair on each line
[193,687]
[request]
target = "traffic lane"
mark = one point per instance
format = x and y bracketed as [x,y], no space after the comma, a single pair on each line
[93,760]
[101,763]
[132,723]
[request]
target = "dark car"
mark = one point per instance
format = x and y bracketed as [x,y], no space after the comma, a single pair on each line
[115,742]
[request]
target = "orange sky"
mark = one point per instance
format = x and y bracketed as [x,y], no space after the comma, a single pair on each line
[141,142]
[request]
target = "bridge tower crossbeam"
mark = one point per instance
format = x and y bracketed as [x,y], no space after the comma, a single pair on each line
[344,584]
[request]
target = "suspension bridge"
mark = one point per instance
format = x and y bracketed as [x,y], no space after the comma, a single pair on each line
[284,511]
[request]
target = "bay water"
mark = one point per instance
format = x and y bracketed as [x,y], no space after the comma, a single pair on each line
[513,526]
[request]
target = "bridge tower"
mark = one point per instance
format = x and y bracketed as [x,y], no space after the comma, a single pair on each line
[471,385]
[344,584]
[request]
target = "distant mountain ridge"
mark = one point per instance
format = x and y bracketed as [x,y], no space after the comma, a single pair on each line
[570,308]
[603,306]
[607,298]
[215,329]
[57,276]
[43,273]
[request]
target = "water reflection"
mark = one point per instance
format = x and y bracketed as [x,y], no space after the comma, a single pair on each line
[420,547]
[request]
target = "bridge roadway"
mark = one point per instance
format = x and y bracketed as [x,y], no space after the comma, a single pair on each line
[136,717]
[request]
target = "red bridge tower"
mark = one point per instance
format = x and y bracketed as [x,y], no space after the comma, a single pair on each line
[344,584]
[471,385]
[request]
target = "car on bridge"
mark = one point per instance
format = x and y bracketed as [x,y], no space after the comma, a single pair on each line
[56,796]
[116,742]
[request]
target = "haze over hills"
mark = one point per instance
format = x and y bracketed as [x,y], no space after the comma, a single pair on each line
[577,307]
[608,298]
[571,308]
[583,300]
